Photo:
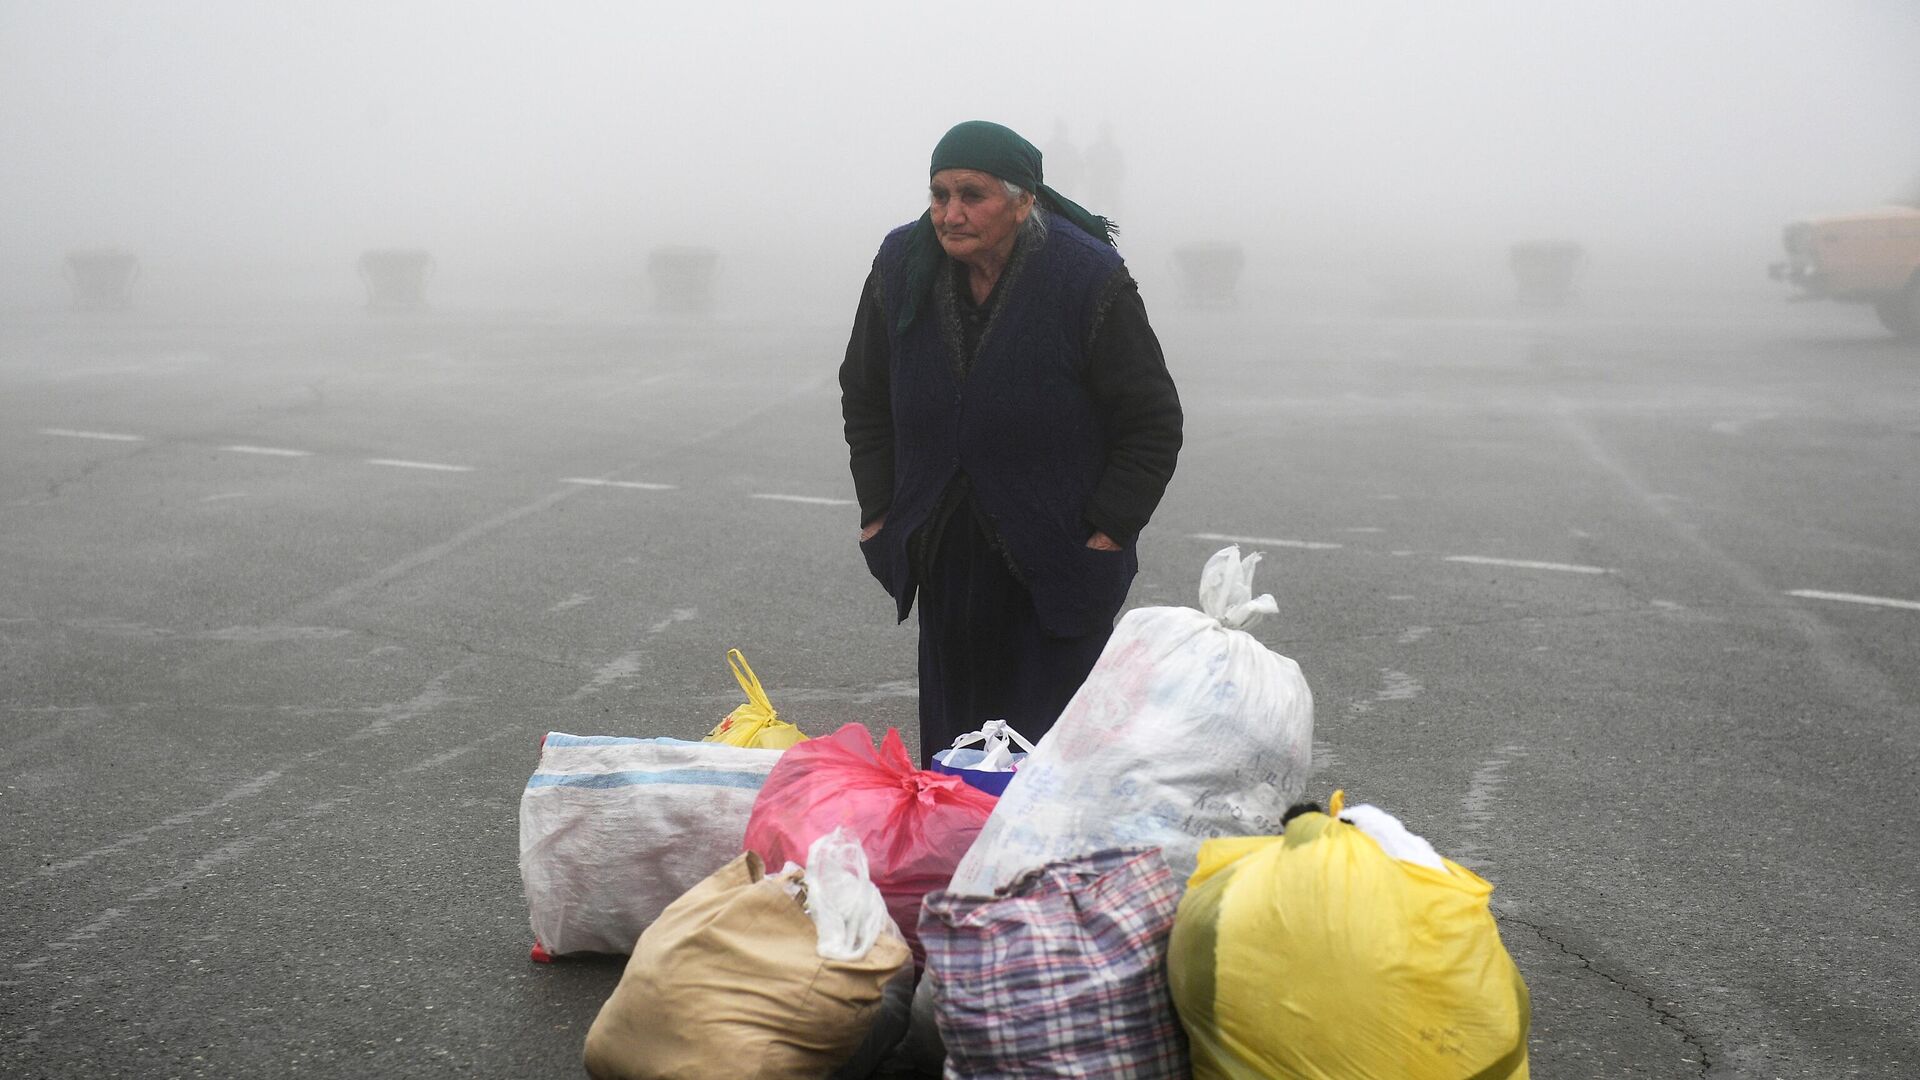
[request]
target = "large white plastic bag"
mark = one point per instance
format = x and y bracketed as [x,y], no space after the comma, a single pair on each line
[1187,728]
[612,830]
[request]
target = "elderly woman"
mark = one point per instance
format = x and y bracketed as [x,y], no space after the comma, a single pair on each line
[1012,426]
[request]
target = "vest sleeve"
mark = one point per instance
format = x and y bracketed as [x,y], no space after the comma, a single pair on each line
[866,404]
[1140,410]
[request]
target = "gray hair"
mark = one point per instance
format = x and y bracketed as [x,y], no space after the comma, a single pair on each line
[1035,227]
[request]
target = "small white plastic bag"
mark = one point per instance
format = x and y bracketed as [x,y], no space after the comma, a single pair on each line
[998,754]
[1226,590]
[1394,838]
[847,909]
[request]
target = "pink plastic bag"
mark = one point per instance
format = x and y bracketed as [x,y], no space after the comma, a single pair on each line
[914,824]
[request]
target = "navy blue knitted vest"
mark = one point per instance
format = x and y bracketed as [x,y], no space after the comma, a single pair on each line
[1019,422]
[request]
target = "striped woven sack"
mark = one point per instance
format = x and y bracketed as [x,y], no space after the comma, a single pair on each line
[612,830]
[1062,973]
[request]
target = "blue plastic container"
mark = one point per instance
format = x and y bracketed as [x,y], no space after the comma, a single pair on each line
[957,762]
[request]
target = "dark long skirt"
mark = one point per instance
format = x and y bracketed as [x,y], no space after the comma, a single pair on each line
[983,653]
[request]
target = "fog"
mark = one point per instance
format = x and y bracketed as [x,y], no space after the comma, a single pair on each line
[249,152]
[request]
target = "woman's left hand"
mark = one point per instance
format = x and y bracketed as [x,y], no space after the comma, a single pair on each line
[1100,541]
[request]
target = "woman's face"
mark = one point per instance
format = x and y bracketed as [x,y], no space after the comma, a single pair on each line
[973,214]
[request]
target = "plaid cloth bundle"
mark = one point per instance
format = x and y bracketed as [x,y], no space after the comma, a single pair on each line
[1061,973]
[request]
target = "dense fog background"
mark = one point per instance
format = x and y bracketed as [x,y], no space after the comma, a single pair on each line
[248,152]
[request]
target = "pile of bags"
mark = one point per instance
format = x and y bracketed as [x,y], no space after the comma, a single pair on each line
[913,823]
[1127,897]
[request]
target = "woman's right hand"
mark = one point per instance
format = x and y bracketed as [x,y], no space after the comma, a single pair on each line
[872,528]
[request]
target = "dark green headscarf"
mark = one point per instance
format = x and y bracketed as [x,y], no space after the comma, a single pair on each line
[998,151]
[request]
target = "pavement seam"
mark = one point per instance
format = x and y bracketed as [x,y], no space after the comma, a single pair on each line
[1666,1017]
[385,719]
[355,589]
[243,846]
[1855,681]
[206,864]
[134,839]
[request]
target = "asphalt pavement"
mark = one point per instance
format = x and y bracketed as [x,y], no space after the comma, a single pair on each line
[1619,605]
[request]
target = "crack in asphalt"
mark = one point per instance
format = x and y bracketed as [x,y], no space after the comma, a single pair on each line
[1668,1019]
[510,654]
[56,486]
[468,647]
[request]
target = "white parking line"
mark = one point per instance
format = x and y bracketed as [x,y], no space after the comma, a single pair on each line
[1528,564]
[813,500]
[1267,541]
[396,463]
[636,485]
[1855,598]
[269,451]
[108,436]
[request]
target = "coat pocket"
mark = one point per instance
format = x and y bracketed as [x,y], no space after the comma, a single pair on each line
[1108,575]
[878,551]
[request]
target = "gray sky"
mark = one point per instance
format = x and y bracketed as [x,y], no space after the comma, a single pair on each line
[539,136]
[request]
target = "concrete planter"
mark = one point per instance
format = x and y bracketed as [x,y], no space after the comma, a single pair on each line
[396,278]
[102,278]
[1209,273]
[682,279]
[1545,269]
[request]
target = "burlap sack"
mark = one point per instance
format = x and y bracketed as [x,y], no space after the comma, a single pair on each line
[726,985]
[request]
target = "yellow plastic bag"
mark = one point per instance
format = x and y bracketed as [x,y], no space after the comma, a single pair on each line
[1316,954]
[754,724]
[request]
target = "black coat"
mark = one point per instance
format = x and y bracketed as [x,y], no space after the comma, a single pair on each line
[1056,394]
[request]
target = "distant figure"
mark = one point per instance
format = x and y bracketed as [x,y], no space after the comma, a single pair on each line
[1064,168]
[1011,427]
[1106,169]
